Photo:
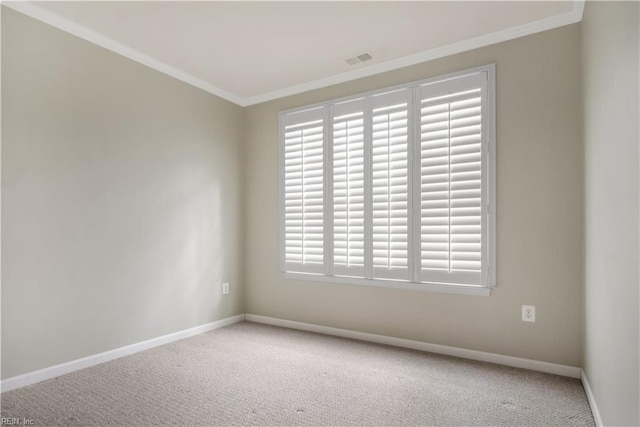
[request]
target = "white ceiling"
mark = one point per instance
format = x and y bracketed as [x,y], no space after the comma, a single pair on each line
[249,52]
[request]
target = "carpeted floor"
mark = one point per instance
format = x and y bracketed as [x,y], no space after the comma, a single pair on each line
[251,374]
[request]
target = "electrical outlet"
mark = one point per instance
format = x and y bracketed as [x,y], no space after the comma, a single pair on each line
[225,288]
[528,313]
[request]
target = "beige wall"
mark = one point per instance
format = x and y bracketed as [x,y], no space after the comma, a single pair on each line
[121,200]
[610,49]
[123,207]
[540,220]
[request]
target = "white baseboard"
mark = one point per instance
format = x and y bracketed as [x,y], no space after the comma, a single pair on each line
[75,365]
[591,398]
[517,362]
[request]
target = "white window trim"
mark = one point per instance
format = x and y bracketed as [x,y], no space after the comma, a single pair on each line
[489,123]
[392,284]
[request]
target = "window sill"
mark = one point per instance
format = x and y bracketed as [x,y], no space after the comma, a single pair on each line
[392,284]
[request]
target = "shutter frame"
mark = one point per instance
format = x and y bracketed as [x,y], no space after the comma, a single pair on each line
[468,272]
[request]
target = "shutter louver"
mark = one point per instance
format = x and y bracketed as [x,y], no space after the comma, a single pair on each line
[390,185]
[451,183]
[348,188]
[303,192]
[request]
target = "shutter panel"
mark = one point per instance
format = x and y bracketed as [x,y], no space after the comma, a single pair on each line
[451,181]
[390,185]
[348,188]
[303,155]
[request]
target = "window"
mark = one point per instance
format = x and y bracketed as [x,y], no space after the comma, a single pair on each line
[393,188]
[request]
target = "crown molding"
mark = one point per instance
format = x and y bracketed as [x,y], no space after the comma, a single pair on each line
[41,14]
[575,15]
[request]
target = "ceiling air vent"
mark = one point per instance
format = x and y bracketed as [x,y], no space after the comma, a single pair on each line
[357,59]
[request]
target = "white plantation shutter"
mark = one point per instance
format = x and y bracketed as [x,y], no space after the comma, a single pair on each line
[393,188]
[390,185]
[348,188]
[451,154]
[303,158]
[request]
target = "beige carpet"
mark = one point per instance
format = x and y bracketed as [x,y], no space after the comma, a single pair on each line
[250,374]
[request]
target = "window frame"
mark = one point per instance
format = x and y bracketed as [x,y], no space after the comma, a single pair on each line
[488,187]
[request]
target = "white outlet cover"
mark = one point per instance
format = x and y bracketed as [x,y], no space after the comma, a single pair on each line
[225,288]
[528,313]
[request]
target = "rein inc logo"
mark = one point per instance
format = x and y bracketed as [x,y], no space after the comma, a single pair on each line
[16,421]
